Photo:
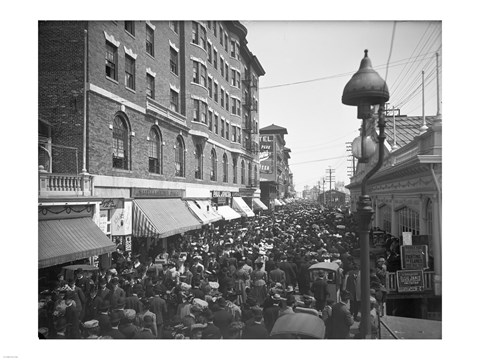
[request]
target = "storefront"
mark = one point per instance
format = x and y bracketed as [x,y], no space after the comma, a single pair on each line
[239,205]
[258,205]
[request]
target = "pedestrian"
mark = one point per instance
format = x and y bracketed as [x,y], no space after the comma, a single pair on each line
[271,310]
[341,318]
[210,331]
[91,329]
[222,318]
[320,291]
[352,281]
[259,289]
[158,306]
[256,329]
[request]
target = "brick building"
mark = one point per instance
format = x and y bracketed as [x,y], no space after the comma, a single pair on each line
[168,110]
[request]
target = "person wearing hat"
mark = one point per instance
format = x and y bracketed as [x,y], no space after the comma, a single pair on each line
[114,333]
[82,282]
[320,291]
[128,328]
[117,294]
[277,275]
[255,329]
[259,280]
[92,329]
[159,307]
[103,317]
[210,331]
[60,328]
[222,318]
[145,329]
[271,310]
[341,318]
[147,312]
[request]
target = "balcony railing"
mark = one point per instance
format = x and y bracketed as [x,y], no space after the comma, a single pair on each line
[53,185]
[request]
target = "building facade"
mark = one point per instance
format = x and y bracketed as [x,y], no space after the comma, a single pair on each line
[146,110]
[407,200]
[276,179]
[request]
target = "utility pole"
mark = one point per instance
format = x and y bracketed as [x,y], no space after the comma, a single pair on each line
[330,178]
[393,109]
[350,169]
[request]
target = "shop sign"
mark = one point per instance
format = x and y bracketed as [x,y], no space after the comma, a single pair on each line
[128,243]
[157,193]
[108,204]
[244,192]
[410,281]
[221,194]
[414,257]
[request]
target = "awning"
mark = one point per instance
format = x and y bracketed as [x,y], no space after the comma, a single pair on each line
[258,204]
[61,241]
[278,203]
[162,217]
[228,213]
[240,206]
[204,210]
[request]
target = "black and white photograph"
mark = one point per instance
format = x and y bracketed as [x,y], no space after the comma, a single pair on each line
[260,179]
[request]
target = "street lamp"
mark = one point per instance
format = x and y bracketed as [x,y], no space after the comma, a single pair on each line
[364,90]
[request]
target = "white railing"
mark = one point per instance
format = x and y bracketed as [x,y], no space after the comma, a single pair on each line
[52,185]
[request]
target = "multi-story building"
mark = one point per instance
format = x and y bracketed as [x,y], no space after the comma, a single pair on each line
[141,117]
[275,180]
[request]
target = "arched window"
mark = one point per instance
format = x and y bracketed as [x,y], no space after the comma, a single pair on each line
[255,176]
[386,218]
[250,174]
[198,161]
[234,163]
[179,157]
[225,168]
[155,152]
[213,171]
[121,158]
[242,172]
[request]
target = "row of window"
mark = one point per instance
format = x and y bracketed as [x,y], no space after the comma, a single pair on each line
[121,155]
[408,220]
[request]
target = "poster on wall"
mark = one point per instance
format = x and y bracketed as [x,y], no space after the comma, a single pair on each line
[128,243]
[266,156]
[414,257]
[121,221]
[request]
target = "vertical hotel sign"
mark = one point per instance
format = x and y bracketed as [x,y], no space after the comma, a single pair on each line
[266,155]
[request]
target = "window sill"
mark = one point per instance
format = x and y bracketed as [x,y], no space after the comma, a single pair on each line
[131,35]
[171,72]
[123,171]
[199,46]
[131,90]
[111,79]
[150,55]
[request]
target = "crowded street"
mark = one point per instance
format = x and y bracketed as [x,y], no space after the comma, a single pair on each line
[232,279]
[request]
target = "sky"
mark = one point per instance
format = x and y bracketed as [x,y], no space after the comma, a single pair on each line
[308,64]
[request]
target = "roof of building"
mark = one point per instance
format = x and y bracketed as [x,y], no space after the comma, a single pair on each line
[406,128]
[273,129]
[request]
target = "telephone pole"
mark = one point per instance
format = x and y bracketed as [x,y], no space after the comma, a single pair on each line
[330,178]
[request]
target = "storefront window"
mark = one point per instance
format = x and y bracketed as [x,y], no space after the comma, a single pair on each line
[408,221]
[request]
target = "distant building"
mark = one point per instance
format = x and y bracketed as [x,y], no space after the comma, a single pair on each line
[334,198]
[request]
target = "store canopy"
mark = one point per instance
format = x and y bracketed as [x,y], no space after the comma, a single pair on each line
[162,217]
[204,210]
[278,203]
[258,204]
[228,213]
[240,206]
[61,241]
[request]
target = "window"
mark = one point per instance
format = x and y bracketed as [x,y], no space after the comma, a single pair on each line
[215,92]
[250,173]
[209,52]
[198,162]
[214,28]
[130,27]
[222,98]
[234,77]
[199,74]
[429,217]
[210,120]
[222,129]
[174,26]
[120,144]
[408,221]
[213,172]
[221,36]
[226,72]
[225,168]
[227,102]
[195,35]
[179,157]
[242,173]
[154,152]
[210,85]
[174,100]
[129,72]
[173,61]
[234,163]
[227,132]
[386,218]
[209,24]
[216,124]
[111,61]
[215,56]
[203,75]
[234,106]
[234,133]
[150,86]
[232,48]
[255,176]
[149,40]
[226,42]
[196,110]
[203,38]
[222,68]
[203,112]
[238,79]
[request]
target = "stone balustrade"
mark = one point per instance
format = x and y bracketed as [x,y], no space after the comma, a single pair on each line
[61,185]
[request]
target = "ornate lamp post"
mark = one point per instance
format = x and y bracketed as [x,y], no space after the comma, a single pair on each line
[364,90]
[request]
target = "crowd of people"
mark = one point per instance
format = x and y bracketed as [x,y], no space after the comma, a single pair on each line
[227,281]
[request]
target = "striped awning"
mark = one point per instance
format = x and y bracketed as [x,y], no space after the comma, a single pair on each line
[204,210]
[228,213]
[258,204]
[162,217]
[61,241]
[278,203]
[240,206]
